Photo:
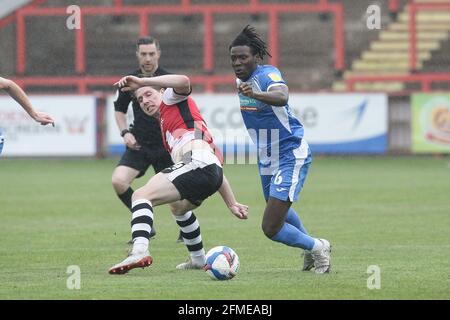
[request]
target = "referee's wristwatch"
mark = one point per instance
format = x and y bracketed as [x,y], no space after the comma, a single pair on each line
[124,132]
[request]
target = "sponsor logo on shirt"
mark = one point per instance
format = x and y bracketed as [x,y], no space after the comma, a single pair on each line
[247,104]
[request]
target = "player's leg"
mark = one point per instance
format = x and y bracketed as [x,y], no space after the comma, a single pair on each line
[276,225]
[159,190]
[292,216]
[190,232]
[194,181]
[285,188]
[294,219]
[276,228]
[198,180]
[122,178]
[132,165]
[299,173]
[161,161]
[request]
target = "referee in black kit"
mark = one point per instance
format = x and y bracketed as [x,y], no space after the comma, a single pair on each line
[143,139]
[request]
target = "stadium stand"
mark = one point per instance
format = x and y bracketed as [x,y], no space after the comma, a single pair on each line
[389,54]
[309,59]
[307,47]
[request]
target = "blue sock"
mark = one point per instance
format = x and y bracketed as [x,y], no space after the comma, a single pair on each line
[291,236]
[293,219]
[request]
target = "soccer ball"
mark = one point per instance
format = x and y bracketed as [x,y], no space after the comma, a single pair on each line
[222,263]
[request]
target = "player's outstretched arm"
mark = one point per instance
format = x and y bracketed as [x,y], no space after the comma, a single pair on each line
[239,210]
[19,95]
[180,83]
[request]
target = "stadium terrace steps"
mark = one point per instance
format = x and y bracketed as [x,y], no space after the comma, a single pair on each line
[421,27]
[427,16]
[389,54]
[404,45]
[379,72]
[401,65]
[375,86]
[393,56]
[421,35]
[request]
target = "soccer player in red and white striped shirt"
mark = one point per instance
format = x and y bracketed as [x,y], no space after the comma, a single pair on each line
[196,175]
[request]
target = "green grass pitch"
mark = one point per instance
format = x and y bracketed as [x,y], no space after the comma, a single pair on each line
[392,212]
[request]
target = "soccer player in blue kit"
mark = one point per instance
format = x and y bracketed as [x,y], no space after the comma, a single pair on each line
[284,156]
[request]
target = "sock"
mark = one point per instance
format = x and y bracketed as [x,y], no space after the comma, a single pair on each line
[126,197]
[190,231]
[293,219]
[291,236]
[318,245]
[141,224]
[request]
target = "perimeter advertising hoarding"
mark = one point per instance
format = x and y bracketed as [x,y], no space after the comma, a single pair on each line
[430,123]
[334,123]
[74,133]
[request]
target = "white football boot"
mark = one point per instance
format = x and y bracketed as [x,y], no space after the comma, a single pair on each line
[189,265]
[134,260]
[322,258]
[308,260]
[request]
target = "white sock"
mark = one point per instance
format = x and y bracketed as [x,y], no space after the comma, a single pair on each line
[199,258]
[140,245]
[318,245]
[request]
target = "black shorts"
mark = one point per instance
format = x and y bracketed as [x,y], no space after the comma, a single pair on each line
[141,159]
[195,182]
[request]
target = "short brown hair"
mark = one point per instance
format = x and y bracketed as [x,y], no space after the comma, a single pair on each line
[147,40]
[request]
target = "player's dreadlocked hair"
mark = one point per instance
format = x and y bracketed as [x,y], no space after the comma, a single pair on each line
[249,37]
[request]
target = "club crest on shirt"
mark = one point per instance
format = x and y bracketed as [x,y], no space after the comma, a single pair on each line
[274,77]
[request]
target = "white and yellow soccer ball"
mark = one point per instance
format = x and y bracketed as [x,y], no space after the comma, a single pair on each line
[222,263]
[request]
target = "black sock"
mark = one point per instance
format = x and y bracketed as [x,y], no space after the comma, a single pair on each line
[126,197]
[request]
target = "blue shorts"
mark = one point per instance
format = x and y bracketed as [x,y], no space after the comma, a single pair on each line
[288,177]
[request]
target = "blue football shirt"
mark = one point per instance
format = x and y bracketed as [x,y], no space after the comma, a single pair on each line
[274,129]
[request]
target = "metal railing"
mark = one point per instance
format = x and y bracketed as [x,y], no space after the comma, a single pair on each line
[206,10]
[423,79]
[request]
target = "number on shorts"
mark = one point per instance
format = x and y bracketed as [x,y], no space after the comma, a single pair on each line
[278,178]
[176,166]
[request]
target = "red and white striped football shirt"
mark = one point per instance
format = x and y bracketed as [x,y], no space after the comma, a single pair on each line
[181,122]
